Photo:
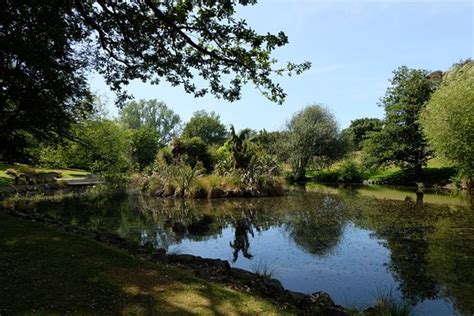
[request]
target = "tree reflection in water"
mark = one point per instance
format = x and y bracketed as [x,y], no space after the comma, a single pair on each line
[241,240]
[318,230]
[244,224]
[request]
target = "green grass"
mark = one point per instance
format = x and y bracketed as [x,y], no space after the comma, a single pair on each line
[49,272]
[6,180]
[383,173]
[437,172]
[386,305]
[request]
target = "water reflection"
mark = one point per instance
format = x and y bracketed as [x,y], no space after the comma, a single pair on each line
[346,244]
[318,230]
[241,240]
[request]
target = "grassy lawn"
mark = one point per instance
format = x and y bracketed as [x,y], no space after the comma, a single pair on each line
[44,271]
[434,163]
[66,173]
[436,172]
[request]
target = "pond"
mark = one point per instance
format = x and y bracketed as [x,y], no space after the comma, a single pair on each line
[351,245]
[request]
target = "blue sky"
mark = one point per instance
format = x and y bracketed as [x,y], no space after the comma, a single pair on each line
[353,45]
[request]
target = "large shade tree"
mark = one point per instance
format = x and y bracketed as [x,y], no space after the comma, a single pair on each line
[48,47]
[311,133]
[43,87]
[448,119]
[401,141]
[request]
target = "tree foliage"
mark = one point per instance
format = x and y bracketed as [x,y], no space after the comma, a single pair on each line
[269,141]
[448,119]
[191,151]
[401,141]
[238,145]
[43,87]
[359,130]
[48,47]
[151,114]
[178,40]
[206,126]
[99,146]
[144,146]
[311,133]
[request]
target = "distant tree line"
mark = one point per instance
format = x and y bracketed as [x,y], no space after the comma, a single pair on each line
[427,114]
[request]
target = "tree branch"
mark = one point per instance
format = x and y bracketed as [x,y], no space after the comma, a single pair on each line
[159,14]
[102,38]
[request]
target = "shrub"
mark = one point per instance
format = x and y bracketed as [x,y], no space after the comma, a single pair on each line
[327,176]
[192,151]
[349,172]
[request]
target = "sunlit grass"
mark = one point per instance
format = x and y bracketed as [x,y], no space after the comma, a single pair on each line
[65,173]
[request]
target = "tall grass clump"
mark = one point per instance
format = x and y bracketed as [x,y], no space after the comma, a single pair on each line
[264,269]
[387,305]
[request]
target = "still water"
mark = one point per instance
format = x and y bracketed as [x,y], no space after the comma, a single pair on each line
[348,243]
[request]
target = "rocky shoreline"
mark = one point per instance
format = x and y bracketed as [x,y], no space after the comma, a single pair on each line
[216,270]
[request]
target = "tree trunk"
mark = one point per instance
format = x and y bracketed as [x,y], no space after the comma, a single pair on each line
[418,173]
[302,164]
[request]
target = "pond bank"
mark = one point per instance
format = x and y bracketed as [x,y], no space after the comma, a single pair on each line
[214,270]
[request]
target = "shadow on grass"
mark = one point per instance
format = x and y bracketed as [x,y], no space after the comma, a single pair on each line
[44,271]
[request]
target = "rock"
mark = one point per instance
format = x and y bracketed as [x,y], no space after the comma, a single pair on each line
[273,287]
[220,265]
[335,311]
[322,300]
[370,311]
[242,275]
[323,304]
[183,259]
[298,299]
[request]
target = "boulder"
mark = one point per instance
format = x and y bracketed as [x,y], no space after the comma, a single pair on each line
[322,300]
[242,275]
[272,286]
[298,299]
